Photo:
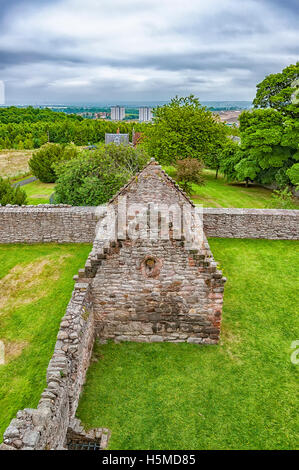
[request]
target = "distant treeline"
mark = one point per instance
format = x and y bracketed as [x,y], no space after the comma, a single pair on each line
[28,128]
[16,115]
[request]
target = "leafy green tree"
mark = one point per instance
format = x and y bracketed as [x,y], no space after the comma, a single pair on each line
[43,160]
[10,194]
[229,157]
[189,171]
[183,128]
[270,134]
[246,170]
[95,176]
[293,174]
[279,91]
[270,143]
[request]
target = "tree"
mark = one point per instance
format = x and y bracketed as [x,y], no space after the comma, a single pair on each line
[293,174]
[10,194]
[270,133]
[95,176]
[246,170]
[43,160]
[189,171]
[278,91]
[183,128]
[229,157]
[270,143]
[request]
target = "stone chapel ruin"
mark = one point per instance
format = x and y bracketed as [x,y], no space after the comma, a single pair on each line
[156,289]
[133,288]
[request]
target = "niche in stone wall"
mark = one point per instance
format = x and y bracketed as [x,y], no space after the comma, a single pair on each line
[151,266]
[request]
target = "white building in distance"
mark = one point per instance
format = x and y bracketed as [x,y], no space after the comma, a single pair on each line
[117,113]
[145,114]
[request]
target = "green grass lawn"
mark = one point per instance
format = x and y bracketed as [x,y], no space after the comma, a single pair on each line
[35,285]
[241,394]
[38,192]
[214,193]
[219,193]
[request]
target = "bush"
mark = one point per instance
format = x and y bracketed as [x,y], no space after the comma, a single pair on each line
[43,160]
[189,171]
[95,176]
[11,195]
[281,199]
[293,174]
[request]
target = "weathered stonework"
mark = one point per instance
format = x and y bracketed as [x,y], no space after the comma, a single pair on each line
[273,224]
[47,223]
[156,289]
[182,303]
[66,224]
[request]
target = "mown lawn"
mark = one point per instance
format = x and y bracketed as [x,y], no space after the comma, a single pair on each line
[241,394]
[219,193]
[35,285]
[38,192]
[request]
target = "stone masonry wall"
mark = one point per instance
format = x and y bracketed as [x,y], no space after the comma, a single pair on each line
[251,223]
[182,302]
[66,224]
[46,427]
[156,289]
[47,223]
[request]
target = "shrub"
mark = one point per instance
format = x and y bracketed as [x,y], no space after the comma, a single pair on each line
[281,199]
[94,177]
[11,195]
[293,174]
[43,160]
[189,170]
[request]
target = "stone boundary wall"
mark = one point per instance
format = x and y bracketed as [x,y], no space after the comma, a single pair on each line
[47,223]
[67,224]
[275,224]
[46,426]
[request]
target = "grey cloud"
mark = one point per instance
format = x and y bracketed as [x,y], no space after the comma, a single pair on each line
[237,45]
[21,58]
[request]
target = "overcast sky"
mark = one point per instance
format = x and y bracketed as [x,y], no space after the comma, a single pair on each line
[70,51]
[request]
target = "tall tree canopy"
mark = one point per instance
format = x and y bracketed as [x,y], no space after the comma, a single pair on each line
[270,132]
[184,128]
[280,91]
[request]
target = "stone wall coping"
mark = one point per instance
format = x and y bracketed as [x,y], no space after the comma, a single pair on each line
[92,209]
[47,208]
[238,211]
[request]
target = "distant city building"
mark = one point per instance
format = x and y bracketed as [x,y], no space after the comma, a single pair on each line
[86,115]
[145,114]
[101,115]
[117,113]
